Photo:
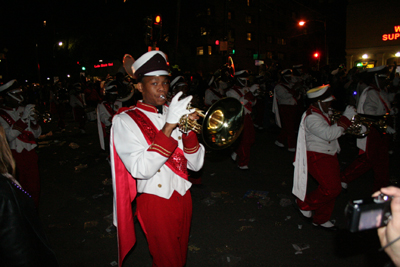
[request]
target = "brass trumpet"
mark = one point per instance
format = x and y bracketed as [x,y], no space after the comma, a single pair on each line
[360,120]
[221,124]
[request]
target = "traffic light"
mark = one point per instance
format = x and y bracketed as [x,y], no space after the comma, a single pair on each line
[216,42]
[316,55]
[157,20]
[83,68]
[231,48]
[148,34]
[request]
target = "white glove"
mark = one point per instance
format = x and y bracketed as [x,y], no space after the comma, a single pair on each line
[254,87]
[349,112]
[177,108]
[28,111]
[390,130]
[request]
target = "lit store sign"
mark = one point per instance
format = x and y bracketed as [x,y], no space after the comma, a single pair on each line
[107,65]
[392,36]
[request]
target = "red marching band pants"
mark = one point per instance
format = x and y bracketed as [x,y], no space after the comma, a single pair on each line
[325,169]
[27,172]
[376,158]
[246,141]
[289,118]
[166,223]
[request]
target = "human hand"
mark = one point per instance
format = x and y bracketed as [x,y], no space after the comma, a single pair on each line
[254,88]
[390,130]
[349,112]
[178,108]
[391,232]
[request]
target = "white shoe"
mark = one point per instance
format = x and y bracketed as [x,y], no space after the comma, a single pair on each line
[291,149]
[234,156]
[344,185]
[279,144]
[306,213]
[328,225]
[244,167]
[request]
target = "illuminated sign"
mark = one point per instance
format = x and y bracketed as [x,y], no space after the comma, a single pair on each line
[103,65]
[392,36]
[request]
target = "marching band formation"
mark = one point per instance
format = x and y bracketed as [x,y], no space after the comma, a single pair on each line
[138,114]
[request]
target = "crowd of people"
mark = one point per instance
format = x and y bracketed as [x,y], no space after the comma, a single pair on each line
[138,112]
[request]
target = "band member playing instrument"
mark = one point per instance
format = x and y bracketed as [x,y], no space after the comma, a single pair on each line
[106,111]
[317,146]
[246,95]
[78,104]
[285,107]
[374,149]
[151,156]
[215,91]
[22,128]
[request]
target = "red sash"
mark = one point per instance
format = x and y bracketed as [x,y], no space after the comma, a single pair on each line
[25,136]
[312,109]
[387,109]
[291,91]
[248,106]
[177,161]
[215,92]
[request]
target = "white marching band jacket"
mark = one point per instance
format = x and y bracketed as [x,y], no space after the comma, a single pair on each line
[373,102]
[20,135]
[315,134]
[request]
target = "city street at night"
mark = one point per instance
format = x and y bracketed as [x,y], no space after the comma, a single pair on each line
[230,226]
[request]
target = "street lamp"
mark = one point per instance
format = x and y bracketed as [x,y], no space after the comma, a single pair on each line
[303,22]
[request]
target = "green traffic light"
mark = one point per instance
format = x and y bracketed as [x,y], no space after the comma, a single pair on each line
[233,51]
[83,68]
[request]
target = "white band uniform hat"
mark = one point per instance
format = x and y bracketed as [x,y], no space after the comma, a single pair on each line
[287,72]
[380,71]
[111,87]
[321,93]
[152,63]
[11,86]
[178,81]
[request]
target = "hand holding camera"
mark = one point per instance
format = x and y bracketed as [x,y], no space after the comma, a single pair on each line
[389,235]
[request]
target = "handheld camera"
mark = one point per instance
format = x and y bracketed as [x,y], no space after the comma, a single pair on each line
[369,213]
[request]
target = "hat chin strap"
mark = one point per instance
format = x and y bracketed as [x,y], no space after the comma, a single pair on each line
[16,98]
[320,108]
[242,82]
[376,81]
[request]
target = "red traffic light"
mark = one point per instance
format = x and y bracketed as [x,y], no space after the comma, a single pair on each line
[316,55]
[157,20]
[216,42]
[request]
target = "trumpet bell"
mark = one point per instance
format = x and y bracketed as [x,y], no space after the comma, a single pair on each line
[223,123]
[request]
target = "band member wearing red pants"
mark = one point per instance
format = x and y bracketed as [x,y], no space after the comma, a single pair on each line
[151,156]
[317,146]
[374,149]
[21,127]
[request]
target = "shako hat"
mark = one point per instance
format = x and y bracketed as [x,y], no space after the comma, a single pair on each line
[380,71]
[111,87]
[286,72]
[242,74]
[321,93]
[152,63]
[11,86]
[178,81]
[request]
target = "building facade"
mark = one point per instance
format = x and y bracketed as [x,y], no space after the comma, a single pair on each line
[373,33]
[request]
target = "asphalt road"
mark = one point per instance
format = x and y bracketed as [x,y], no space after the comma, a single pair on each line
[228,228]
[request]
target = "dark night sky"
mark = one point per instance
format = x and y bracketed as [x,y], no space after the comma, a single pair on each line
[95,29]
